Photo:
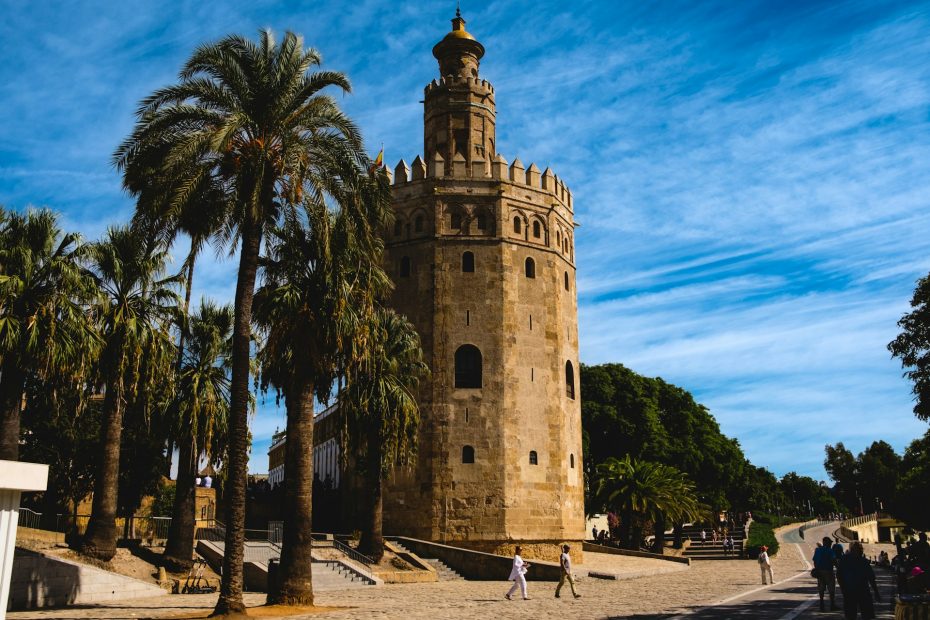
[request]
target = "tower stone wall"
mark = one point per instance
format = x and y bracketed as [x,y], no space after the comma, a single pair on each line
[482,255]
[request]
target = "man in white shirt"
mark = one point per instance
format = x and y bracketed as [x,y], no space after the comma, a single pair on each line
[565,561]
[765,564]
[517,576]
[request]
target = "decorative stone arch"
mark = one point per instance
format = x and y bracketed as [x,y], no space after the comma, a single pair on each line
[455,219]
[522,231]
[538,231]
[483,220]
[420,223]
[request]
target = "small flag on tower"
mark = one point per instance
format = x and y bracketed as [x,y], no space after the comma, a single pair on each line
[379,161]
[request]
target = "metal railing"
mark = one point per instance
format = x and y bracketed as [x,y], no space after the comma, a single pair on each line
[353,554]
[145,528]
[873,516]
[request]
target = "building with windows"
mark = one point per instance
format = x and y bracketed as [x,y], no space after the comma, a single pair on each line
[481,252]
[482,255]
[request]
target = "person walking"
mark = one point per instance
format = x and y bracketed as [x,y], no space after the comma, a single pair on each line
[728,545]
[565,574]
[517,576]
[824,561]
[703,537]
[856,576]
[765,563]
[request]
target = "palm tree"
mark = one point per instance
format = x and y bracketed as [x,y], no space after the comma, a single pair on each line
[135,312]
[249,118]
[200,411]
[43,322]
[311,299]
[381,412]
[643,490]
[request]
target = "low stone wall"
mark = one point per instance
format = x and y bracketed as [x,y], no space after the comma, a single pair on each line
[478,565]
[592,548]
[45,581]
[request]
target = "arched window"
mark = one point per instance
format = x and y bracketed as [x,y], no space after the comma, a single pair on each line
[566,281]
[569,380]
[481,221]
[418,224]
[405,267]
[397,228]
[530,268]
[517,224]
[537,230]
[468,454]
[468,262]
[468,367]
[571,461]
[534,460]
[456,221]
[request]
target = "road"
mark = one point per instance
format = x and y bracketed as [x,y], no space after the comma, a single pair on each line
[794,596]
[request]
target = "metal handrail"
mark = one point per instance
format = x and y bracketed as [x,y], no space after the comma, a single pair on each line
[353,554]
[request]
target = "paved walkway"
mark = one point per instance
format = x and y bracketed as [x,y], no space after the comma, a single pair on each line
[712,589]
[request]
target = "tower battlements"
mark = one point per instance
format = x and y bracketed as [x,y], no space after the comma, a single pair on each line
[478,169]
[475,85]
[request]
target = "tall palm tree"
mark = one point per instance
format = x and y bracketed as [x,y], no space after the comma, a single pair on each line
[247,117]
[136,309]
[312,297]
[381,412]
[200,413]
[43,322]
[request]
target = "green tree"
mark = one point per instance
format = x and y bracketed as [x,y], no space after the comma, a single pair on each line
[199,414]
[381,412]
[912,347]
[43,322]
[136,309]
[913,488]
[841,467]
[250,118]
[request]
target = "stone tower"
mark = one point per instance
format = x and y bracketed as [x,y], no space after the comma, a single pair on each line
[482,255]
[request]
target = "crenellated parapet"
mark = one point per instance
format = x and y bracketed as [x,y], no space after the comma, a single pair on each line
[475,85]
[479,169]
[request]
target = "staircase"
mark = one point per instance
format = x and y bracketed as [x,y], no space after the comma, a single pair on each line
[443,572]
[331,575]
[712,550]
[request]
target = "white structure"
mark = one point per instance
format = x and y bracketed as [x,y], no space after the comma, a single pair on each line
[15,478]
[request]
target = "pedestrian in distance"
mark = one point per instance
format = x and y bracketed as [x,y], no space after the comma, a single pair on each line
[518,576]
[565,572]
[703,537]
[856,575]
[728,545]
[594,533]
[824,561]
[765,563]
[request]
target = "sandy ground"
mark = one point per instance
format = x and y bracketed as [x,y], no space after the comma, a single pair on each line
[676,589]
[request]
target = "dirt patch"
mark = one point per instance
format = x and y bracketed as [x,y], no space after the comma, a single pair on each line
[266,611]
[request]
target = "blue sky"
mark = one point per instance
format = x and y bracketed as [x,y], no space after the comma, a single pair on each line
[752,178]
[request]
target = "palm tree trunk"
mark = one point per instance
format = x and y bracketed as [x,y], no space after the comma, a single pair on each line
[658,529]
[100,538]
[12,383]
[626,523]
[372,540]
[679,536]
[230,600]
[179,548]
[294,584]
[182,331]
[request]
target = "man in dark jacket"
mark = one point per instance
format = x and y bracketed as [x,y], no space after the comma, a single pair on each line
[856,575]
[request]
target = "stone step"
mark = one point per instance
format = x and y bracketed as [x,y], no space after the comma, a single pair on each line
[443,572]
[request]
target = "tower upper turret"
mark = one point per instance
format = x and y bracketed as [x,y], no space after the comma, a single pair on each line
[459,53]
[459,115]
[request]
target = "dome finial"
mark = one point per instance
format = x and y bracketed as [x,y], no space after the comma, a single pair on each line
[458,10]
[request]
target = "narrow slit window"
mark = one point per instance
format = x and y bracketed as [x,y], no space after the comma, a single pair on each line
[566,281]
[537,230]
[468,317]
[418,224]
[569,380]
[534,460]
[517,225]
[468,262]
[571,461]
